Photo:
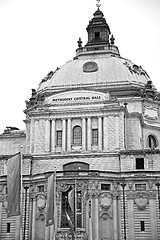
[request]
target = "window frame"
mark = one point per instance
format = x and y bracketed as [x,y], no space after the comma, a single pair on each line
[152,141]
[59,138]
[138,164]
[95,136]
[65,207]
[77,135]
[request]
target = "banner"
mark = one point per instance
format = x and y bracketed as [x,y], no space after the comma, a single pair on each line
[13,185]
[71,200]
[50,200]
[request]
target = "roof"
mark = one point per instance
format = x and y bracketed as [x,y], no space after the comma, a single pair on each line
[95,69]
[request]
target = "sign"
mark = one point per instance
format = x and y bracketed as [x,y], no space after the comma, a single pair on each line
[78,96]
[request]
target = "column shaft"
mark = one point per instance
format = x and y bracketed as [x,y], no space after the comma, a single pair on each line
[100,133]
[131,219]
[83,134]
[34,220]
[53,135]
[153,217]
[89,134]
[115,219]
[0,215]
[105,134]
[96,219]
[64,135]
[69,135]
[47,135]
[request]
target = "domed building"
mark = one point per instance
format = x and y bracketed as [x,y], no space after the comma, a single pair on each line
[95,124]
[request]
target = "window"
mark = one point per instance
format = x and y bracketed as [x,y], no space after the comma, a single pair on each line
[77,135]
[142,226]
[139,163]
[59,138]
[151,141]
[105,187]
[140,187]
[75,167]
[41,188]
[66,208]
[94,136]
[97,34]
[8,227]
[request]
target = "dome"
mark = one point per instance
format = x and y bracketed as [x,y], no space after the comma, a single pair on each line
[95,69]
[98,62]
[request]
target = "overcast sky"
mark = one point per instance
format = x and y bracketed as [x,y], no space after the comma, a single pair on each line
[37,36]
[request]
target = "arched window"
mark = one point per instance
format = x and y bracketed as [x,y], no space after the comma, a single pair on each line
[151,141]
[77,135]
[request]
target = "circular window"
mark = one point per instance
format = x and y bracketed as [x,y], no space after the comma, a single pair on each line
[151,142]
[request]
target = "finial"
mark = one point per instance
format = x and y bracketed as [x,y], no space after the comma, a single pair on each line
[112,40]
[79,43]
[98,3]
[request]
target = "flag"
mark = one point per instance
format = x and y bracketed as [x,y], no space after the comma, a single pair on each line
[70,224]
[71,200]
[50,200]
[13,185]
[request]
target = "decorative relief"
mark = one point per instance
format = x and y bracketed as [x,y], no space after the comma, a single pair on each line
[141,200]
[105,201]
[63,187]
[41,202]
[151,113]
[40,217]
[90,67]
[130,185]
[130,194]
[150,185]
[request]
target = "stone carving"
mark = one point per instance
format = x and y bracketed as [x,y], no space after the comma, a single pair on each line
[141,200]
[41,202]
[40,217]
[136,69]
[105,201]
[63,187]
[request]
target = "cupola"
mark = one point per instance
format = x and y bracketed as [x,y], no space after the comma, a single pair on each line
[98,30]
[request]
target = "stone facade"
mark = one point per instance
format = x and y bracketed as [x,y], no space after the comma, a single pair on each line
[96,121]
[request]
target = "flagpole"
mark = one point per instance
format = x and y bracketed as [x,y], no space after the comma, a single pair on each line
[75,192]
[54,224]
[21,196]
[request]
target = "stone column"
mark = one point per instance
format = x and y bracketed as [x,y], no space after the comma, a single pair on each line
[69,137]
[131,232]
[117,132]
[30,216]
[53,136]
[100,133]
[83,134]
[17,228]
[0,215]
[89,134]
[153,217]
[96,218]
[47,233]
[34,220]
[64,135]
[115,218]
[105,134]
[47,135]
